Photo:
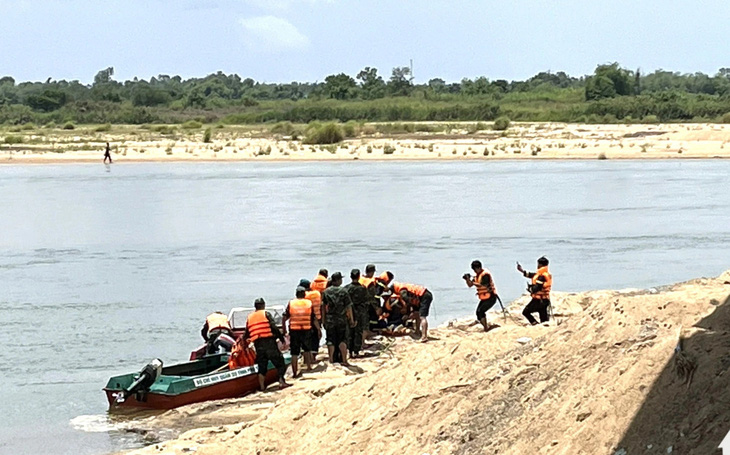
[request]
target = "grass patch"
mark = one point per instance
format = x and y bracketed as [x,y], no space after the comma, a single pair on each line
[13,139]
[328,133]
[502,123]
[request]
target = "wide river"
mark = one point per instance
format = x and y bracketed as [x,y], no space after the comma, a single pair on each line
[101,271]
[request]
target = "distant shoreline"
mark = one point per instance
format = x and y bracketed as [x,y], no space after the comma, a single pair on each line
[522,141]
[71,161]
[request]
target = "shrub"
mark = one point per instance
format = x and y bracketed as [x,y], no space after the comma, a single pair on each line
[164,129]
[328,133]
[650,119]
[284,128]
[103,128]
[350,128]
[726,118]
[192,125]
[207,134]
[602,156]
[388,149]
[13,139]
[69,126]
[28,126]
[501,124]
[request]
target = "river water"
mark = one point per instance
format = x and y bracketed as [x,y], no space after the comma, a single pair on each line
[101,271]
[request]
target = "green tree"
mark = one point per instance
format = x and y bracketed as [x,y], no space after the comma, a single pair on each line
[47,101]
[340,87]
[400,83]
[608,81]
[372,85]
[437,85]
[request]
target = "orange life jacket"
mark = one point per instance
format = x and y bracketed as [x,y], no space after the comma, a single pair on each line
[484,292]
[258,326]
[384,278]
[300,314]
[319,284]
[241,356]
[217,321]
[543,293]
[316,298]
[365,281]
[412,288]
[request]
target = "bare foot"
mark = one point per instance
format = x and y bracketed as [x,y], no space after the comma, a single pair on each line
[284,385]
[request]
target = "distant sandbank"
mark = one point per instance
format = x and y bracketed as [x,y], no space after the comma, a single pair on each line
[522,141]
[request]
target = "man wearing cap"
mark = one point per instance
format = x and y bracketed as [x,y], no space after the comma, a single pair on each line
[263,332]
[539,288]
[360,299]
[301,319]
[316,298]
[338,318]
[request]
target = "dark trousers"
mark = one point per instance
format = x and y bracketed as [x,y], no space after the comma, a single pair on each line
[539,306]
[484,306]
[354,337]
[268,351]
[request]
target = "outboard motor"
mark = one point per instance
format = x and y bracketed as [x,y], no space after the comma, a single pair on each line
[144,381]
[223,343]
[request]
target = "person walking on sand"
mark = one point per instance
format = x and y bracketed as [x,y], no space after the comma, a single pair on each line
[486,291]
[539,288]
[338,319]
[263,332]
[108,154]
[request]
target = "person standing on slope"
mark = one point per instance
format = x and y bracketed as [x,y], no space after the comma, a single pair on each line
[486,291]
[542,282]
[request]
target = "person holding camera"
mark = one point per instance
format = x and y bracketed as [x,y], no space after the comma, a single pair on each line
[486,291]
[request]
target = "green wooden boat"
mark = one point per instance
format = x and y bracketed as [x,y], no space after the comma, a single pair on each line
[208,378]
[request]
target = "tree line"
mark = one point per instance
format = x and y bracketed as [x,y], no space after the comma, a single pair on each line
[611,94]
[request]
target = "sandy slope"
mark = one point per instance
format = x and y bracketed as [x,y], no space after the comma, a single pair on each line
[521,141]
[600,382]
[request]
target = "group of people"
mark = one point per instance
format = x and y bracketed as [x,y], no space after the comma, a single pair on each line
[349,314]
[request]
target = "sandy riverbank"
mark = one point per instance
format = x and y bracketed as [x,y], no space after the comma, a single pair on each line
[521,141]
[603,378]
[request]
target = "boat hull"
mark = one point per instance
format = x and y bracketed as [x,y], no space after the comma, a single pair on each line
[191,382]
[234,388]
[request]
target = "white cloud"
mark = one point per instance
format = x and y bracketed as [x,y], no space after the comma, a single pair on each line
[271,33]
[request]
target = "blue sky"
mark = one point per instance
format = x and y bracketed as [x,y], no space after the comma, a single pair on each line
[306,40]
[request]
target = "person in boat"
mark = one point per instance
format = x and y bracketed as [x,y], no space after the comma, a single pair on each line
[320,281]
[486,291]
[539,288]
[263,332]
[417,300]
[217,333]
[302,320]
[360,298]
[316,298]
[241,355]
[338,319]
